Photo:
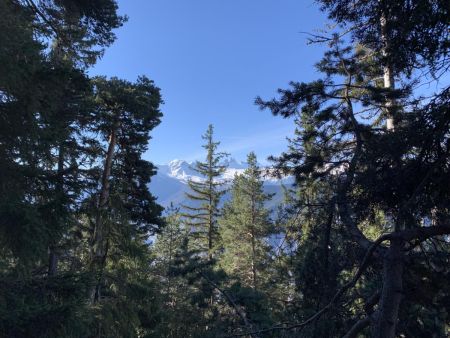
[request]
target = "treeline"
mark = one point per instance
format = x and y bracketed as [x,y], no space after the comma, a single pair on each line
[358,248]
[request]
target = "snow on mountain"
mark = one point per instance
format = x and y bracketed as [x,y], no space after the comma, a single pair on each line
[184,171]
[170,183]
[233,163]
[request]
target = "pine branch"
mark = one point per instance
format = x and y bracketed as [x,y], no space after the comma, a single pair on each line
[233,304]
[37,11]
[336,297]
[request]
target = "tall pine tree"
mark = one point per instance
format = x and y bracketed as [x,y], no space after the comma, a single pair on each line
[245,227]
[205,196]
[366,129]
[124,208]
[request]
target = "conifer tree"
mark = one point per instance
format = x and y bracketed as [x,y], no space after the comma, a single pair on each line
[167,247]
[382,149]
[205,196]
[44,108]
[124,208]
[183,303]
[245,227]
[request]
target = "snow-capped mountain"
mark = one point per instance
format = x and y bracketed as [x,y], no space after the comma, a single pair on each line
[183,170]
[178,169]
[170,183]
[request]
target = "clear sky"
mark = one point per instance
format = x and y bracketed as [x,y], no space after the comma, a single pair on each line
[211,58]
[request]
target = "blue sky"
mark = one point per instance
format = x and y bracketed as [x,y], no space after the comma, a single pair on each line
[211,58]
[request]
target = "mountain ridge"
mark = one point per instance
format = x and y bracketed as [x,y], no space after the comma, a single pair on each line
[170,184]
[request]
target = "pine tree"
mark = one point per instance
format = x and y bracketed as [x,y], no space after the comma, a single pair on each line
[245,228]
[167,247]
[79,29]
[205,196]
[378,146]
[124,208]
[44,106]
[310,259]
[175,267]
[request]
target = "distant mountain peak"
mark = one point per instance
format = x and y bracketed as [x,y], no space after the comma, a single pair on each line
[232,163]
[184,171]
[175,162]
[170,183]
[180,169]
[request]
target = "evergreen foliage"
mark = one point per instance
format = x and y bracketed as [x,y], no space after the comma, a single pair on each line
[358,248]
[245,227]
[381,179]
[205,195]
[55,124]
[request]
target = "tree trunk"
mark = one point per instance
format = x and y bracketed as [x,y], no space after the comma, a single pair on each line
[53,255]
[385,319]
[253,243]
[386,316]
[99,244]
[52,261]
[388,74]
[211,213]
[389,83]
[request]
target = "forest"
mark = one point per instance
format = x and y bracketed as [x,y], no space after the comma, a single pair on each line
[358,247]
